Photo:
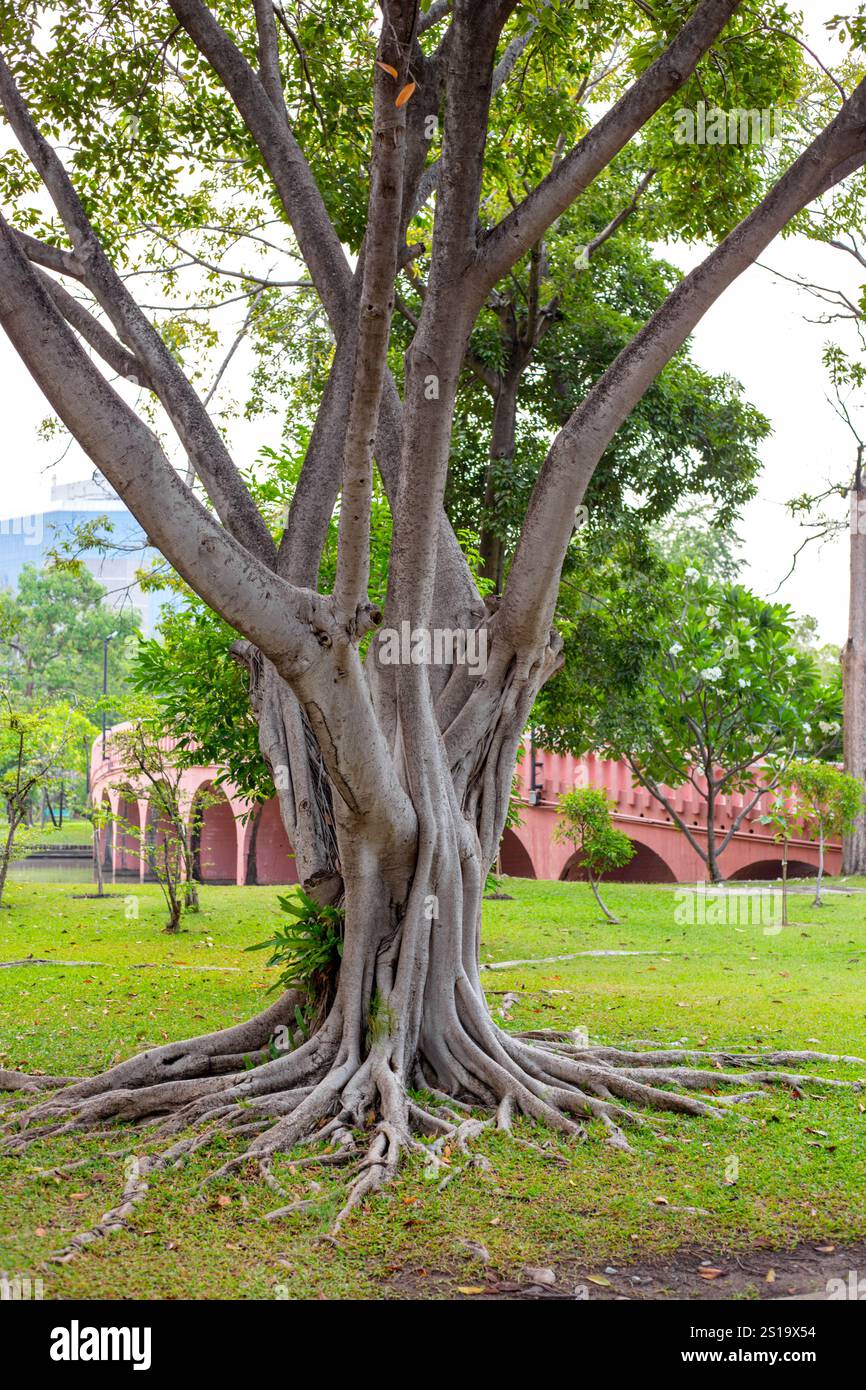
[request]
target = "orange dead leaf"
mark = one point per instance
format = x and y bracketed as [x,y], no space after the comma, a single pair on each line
[405,93]
[386,67]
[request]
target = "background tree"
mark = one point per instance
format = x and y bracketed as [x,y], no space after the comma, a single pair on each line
[782,818]
[146,762]
[51,638]
[830,801]
[584,821]
[723,700]
[36,742]
[837,222]
[399,775]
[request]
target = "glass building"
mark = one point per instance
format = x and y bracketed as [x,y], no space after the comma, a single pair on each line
[28,540]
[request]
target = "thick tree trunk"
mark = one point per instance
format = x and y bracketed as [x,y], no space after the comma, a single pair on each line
[854,681]
[408,1049]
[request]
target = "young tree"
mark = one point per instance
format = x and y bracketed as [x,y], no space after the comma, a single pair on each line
[101,819]
[35,741]
[723,701]
[400,773]
[830,801]
[584,821]
[148,765]
[782,818]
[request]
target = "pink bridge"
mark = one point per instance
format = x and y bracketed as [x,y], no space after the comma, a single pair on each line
[233,844]
[662,852]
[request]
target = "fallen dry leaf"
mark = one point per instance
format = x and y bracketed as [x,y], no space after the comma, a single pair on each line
[404,94]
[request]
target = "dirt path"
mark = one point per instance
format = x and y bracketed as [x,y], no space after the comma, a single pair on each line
[690,1273]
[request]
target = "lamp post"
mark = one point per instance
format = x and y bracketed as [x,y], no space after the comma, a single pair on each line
[105,642]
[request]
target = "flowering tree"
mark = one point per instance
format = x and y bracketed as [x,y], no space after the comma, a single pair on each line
[723,700]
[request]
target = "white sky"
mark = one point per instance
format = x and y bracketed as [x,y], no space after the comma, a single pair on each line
[756,331]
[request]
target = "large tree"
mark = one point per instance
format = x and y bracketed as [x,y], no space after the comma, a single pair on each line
[394,777]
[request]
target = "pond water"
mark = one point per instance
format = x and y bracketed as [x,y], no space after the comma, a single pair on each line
[51,869]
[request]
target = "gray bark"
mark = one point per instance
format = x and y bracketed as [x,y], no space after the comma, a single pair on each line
[854,680]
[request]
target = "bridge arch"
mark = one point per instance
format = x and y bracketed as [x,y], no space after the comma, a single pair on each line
[213,834]
[274,856]
[772,869]
[646,866]
[514,857]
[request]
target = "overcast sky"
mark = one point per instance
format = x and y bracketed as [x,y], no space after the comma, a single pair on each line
[757,331]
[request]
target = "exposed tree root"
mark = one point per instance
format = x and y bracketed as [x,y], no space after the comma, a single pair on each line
[357,1112]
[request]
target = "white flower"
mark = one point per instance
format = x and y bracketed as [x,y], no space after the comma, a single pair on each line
[791,661]
[743,684]
[807,728]
[711,611]
[751,644]
[692,573]
[675,649]
[828,727]
[712,673]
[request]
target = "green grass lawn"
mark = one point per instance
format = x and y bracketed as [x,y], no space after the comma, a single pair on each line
[45,836]
[800,1161]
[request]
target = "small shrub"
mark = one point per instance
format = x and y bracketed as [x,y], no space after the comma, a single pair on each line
[308,948]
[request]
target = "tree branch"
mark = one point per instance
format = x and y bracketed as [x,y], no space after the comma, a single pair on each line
[531,590]
[93,332]
[269,56]
[527,223]
[196,431]
[381,246]
[50,257]
[234,583]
